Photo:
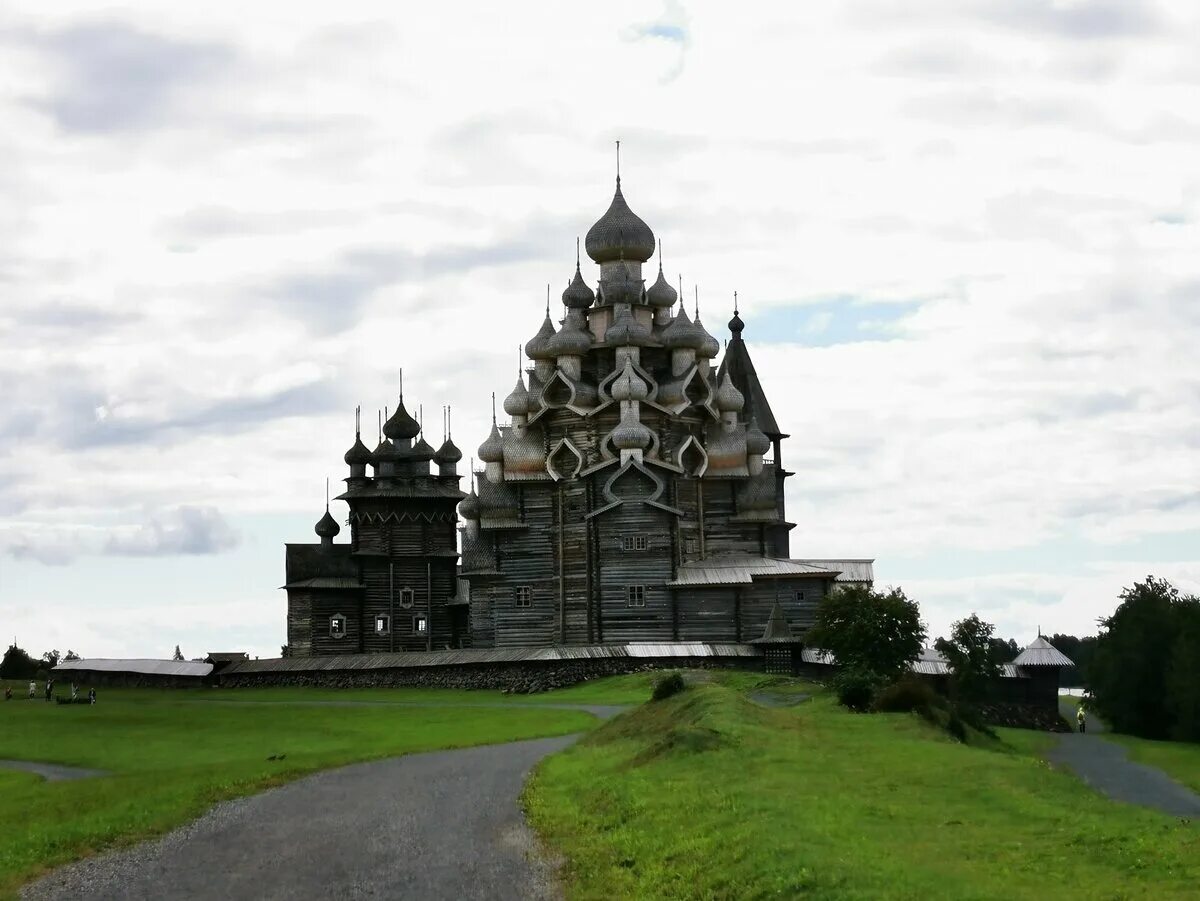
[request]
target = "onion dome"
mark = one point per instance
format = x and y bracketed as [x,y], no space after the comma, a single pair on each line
[735,324]
[627,331]
[709,346]
[619,233]
[729,399]
[385,452]
[524,451]
[629,385]
[492,449]
[756,441]
[681,333]
[517,403]
[571,341]
[621,288]
[327,526]
[578,295]
[447,453]
[359,454]
[421,451]
[535,349]
[661,294]
[631,435]
[469,508]
[401,425]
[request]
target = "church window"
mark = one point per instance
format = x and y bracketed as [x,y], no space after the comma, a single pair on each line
[420,624]
[800,596]
[636,595]
[523,596]
[634,543]
[337,626]
[691,545]
[383,624]
[407,595]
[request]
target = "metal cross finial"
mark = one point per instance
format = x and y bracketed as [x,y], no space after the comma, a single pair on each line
[402,384]
[696,288]
[326,494]
[577,253]
[472,475]
[493,408]
[379,423]
[618,162]
[660,255]
[443,425]
[421,418]
[735,303]
[449,431]
[358,421]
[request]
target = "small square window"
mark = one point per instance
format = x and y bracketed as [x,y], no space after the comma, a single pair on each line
[691,545]
[800,596]
[636,596]
[634,543]
[337,626]
[407,595]
[420,624]
[523,596]
[383,624]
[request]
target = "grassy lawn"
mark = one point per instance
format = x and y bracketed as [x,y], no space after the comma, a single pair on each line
[173,755]
[707,795]
[1180,760]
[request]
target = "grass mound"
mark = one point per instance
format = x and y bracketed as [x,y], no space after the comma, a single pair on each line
[708,795]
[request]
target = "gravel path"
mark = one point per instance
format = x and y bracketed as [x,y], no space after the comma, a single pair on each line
[425,826]
[51,772]
[1105,767]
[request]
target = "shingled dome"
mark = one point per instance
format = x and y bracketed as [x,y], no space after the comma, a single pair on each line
[1041,653]
[359,454]
[327,526]
[401,425]
[619,233]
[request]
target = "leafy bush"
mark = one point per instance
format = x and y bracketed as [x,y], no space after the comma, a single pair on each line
[856,687]
[908,694]
[668,685]
[869,630]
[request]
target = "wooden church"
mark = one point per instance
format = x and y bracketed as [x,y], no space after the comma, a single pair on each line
[636,494]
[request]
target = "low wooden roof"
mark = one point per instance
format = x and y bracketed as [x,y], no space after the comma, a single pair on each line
[1041,653]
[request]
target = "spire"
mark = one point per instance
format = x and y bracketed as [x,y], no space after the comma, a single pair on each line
[736,363]
[696,288]
[618,163]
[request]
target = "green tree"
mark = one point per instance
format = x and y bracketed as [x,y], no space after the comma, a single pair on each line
[1134,656]
[1003,650]
[71,655]
[1183,672]
[50,659]
[970,652]
[873,635]
[17,664]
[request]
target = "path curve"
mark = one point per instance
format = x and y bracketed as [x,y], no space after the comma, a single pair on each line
[51,772]
[439,825]
[1104,765]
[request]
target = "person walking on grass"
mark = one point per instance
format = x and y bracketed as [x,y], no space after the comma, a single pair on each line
[32,689]
[49,689]
[1081,718]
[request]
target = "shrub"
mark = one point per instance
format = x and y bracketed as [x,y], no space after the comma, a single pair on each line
[908,694]
[666,686]
[856,688]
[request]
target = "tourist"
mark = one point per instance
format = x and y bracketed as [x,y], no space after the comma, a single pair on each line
[32,689]
[49,688]
[91,696]
[74,692]
[1081,718]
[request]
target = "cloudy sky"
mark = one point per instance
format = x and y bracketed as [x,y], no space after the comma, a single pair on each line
[964,233]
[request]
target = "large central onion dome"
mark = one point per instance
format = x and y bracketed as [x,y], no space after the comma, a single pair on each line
[619,233]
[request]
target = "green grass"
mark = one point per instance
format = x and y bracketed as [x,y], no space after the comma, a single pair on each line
[1179,759]
[173,754]
[707,795]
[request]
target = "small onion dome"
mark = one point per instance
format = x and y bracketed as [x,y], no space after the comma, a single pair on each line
[627,331]
[629,385]
[517,403]
[535,349]
[401,425]
[729,399]
[469,508]
[735,324]
[447,453]
[492,449]
[570,341]
[709,346]
[578,295]
[359,454]
[327,526]
[385,452]
[681,333]
[756,441]
[631,435]
[422,451]
[661,294]
[623,288]
[619,233]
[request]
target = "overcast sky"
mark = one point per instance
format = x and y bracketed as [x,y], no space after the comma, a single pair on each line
[964,234]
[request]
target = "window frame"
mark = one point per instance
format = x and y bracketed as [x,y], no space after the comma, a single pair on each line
[523,597]
[408,597]
[386,620]
[798,596]
[420,624]
[635,596]
[635,542]
[335,634]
